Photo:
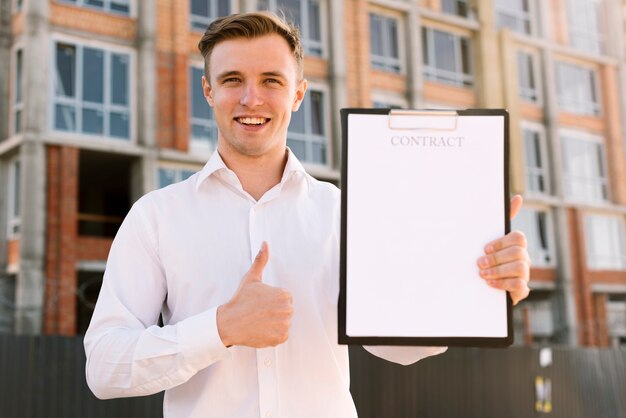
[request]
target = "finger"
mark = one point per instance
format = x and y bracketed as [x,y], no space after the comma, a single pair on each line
[507,255]
[516,286]
[516,205]
[519,268]
[509,240]
[255,273]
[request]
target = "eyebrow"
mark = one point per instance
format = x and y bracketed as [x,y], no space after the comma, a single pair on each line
[227,74]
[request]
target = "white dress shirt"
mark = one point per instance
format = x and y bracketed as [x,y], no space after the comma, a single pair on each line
[181,252]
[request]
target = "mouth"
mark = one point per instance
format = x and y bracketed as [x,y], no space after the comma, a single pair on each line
[252,121]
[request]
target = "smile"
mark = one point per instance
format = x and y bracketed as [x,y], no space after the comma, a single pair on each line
[252,121]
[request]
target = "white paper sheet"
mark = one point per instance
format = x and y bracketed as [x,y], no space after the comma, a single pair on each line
[421,206]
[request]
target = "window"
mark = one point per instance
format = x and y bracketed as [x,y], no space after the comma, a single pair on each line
[527,77]
[514,14]
[384,50]
[584,168]
[203,125]
[455,7]
[14,198]
[18,105]
[577,89]
[447,58]
[92,91]
[535,161]
[18,5]
[585,25]
[112,6]
[616,318]
[604,239]
[169,176]
[385,105]
[203,12]
[537,226]
[306,14]
[306,136]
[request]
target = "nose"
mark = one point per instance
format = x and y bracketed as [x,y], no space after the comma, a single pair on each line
[251,96]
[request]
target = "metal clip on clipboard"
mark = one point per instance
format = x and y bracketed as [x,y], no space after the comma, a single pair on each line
[433,120]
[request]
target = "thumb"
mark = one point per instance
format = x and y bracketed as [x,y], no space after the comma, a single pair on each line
[255,274]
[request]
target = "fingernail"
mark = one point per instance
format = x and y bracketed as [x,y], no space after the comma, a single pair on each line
[489,248]
[483,262]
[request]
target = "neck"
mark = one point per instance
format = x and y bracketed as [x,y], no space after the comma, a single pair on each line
[257,174]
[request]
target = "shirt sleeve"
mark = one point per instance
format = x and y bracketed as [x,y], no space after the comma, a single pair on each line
[127,353]
[404,355]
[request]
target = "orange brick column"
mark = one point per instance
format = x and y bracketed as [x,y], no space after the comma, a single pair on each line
[61,240]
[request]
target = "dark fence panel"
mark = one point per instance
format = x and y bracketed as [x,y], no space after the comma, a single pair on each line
[44,377]
[480,383]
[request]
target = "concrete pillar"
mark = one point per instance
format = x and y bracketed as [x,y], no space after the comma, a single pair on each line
[6,39]
[414,59]
[29,293]
[144,178]
[338,75]
[566,324]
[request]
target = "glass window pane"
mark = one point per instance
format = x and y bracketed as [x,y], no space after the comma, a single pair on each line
[200,109]
[166,177]
[223,7]
[298,148]
[317,114]
[64,118]
[18,121]
[297,118]
[18,77]
[93,121]
[200,7]
[376,35]
[119,79]
[185,174]
[95,3]
[315,32]
[120,126]
[65,70]
[120,6]
[16,188]
[444,51]
[319,153]
[93,75]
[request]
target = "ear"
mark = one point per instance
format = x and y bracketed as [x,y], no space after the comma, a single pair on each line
[208,91]
[300,91]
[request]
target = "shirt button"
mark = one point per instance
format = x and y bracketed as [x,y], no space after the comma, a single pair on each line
[267,363]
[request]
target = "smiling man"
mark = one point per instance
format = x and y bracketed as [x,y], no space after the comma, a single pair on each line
[242,259]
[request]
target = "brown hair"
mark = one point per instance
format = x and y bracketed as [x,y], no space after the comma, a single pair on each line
[250,25]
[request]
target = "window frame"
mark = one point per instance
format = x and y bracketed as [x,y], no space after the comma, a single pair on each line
[579,106]
[206,20]
[525,92]
[77,101]
[569,135]
[544,169]
[15,105]
[589,243]
[178,171]
[326,114]
[456,12]
[14,221]
[106,7]
[432,73]
[520,18]
[585,37]
[388,63]
[197,146]
[538,255]
[308,44]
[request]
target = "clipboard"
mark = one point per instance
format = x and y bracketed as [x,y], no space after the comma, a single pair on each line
[422,192]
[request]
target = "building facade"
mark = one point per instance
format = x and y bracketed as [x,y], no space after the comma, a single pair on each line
[101,102]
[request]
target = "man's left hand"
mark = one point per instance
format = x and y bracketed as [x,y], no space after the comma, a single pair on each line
[506,264]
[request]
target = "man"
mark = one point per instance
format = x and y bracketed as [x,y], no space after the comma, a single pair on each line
[241,259]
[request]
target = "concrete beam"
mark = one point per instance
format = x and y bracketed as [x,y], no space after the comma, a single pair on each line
[338,75]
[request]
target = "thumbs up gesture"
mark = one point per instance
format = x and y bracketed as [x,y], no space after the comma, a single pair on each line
[258,315]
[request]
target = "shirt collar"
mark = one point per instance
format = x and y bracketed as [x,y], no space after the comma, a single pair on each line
[216,164]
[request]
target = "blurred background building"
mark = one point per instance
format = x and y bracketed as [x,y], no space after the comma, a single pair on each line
[101,102]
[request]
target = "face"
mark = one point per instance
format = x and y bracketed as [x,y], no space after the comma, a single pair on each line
[253,88]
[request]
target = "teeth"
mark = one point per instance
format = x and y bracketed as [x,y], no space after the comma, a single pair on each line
[252,121]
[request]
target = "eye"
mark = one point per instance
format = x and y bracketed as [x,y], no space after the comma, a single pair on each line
[230,80]
[273,81]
